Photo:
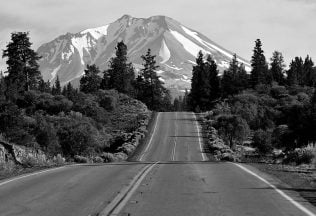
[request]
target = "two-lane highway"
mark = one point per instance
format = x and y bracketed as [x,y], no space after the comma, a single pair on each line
[170,178]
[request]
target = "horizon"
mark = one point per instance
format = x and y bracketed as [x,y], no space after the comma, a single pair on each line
[278,30]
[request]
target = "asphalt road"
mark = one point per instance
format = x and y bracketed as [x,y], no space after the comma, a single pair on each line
[181,183]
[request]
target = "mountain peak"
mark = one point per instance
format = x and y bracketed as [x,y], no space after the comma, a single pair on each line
[174,45]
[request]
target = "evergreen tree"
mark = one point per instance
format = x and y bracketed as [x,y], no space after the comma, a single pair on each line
[213,79]
[23,69]
[69,91]
[200,86]
[121,73]
[260,73]
[56,90]
[2,87]
[235,78]
[295,72]
[44,86]
[277,67]
[91,81]
[309,76]
[150,89]
[185,100]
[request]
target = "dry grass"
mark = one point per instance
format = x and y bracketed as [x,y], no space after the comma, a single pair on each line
[299,179]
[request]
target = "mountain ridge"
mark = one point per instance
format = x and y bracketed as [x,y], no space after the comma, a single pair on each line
[175,45]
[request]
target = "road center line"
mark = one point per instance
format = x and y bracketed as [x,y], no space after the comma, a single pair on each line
[118,203]
[199,136]
[175,139]
[299,206]
[151,138]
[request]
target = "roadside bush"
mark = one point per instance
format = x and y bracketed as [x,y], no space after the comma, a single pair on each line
[108,157]
[98,159]
[80,159]
[300,156]
[262,141]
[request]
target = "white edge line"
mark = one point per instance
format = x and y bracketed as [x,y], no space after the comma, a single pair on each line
[200,143]
[299,206]
[28,175]
[152,135]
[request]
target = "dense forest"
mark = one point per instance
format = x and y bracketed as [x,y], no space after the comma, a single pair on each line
[273,107]
[60,119]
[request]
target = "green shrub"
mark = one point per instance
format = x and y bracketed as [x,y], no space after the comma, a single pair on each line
[98,159]
[108,157]
[300,156]
[262,141]
[81,159]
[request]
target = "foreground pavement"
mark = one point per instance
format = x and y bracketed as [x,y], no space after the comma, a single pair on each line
[170,177]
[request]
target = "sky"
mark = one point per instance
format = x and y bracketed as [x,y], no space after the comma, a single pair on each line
[284,25]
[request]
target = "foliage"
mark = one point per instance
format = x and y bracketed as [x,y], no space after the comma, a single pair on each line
[262,141]
[277,68]
[91,81]
[204,84]
[120,74]
[300,156]
[23,70]
[260,73]
[149,89]
[235,78]
[233,129]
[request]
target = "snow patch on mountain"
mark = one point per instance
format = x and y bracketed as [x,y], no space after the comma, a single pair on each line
[97,32]
[81,43]
[159,71]
[188,45]
[54,73]
[174,67]
[164,52]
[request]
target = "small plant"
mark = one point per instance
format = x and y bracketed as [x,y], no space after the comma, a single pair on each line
[81,159]
[300,156]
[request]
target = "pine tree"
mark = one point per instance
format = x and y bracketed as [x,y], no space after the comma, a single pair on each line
[91,81]
[277,67]
[121,73]
[44,86]
[56,90]
[260,73]
[309,75]
[197,87]
[213,79]
[295,72]
[235,78]
[150,89]
[2,87]
[23,69]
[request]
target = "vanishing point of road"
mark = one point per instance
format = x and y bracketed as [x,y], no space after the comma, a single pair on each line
[169,177]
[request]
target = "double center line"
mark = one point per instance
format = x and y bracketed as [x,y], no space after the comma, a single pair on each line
[118,203]
[173,155]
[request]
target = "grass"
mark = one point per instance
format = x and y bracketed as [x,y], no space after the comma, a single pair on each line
[303,182]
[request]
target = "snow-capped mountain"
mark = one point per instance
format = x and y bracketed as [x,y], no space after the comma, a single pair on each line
[175,46]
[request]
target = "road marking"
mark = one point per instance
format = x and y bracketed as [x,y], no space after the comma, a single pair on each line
[200,143]
[152,135]
[118,203]
[175,138]
[174,150]
[299,206]
[28,175]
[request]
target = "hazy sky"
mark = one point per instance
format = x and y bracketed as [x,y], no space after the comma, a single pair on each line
[285,25]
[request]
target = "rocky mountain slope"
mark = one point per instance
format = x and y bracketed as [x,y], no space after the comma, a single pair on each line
[175,45]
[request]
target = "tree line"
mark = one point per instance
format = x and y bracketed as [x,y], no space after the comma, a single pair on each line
[273,106]
[75,121]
